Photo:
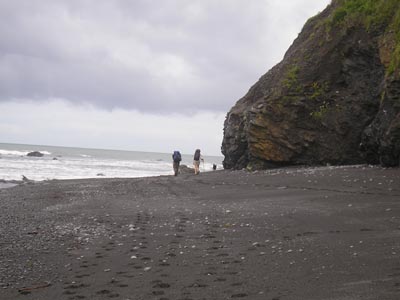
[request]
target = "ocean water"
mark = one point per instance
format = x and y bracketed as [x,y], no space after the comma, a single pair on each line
[75,163]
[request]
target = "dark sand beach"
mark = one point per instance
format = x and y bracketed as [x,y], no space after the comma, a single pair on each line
[292,233]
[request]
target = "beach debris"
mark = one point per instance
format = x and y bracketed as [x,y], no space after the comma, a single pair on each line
[35,287]
[147,269]
[34,232]
[25,179]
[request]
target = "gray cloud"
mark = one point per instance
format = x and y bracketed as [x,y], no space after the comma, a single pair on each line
[152,56]
[108,129]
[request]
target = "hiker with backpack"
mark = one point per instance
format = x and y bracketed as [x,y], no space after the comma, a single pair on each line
[196,161]
[176,157]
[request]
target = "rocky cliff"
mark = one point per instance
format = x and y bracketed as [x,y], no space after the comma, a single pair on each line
[335,97]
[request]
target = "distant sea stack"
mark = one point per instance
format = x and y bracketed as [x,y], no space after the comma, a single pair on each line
[335,97]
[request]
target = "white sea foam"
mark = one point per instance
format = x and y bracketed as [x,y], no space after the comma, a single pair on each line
[38,169]
[13,152]
[74,163]
[21,153]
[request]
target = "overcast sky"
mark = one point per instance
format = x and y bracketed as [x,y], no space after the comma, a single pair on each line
[149,75]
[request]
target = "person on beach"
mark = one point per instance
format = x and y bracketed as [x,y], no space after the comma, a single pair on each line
[196,161]
[176,157]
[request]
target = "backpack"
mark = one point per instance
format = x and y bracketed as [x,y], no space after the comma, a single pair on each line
[176,156]
[197,155]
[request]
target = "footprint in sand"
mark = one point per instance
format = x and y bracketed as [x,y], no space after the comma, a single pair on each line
[198,285]
[223,254]
[116,295]
[103,292]
[77,286]
[158,293]
[213,248]
[162,285]
[24,292]
[82,275]
[240,295]
[145,258]
[237,284]
[231,273]
[68,292]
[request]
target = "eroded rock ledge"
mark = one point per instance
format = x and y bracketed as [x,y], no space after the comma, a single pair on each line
[335,97]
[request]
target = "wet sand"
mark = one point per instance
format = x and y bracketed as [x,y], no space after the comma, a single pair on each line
[293,233]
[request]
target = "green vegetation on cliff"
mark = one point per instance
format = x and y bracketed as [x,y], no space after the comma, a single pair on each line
[374,15]
[291,80]
[371,12]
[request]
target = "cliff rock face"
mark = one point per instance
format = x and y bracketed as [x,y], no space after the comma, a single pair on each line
[335,97]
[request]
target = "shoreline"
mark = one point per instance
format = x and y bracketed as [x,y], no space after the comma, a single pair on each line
[184,170]
[288,233]
[74,163]
[190,170]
